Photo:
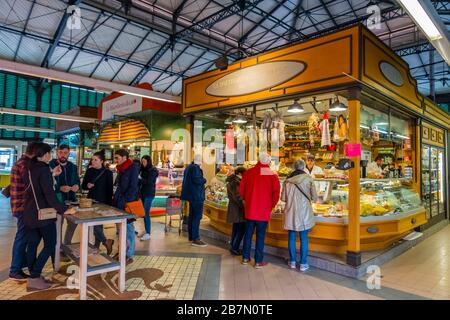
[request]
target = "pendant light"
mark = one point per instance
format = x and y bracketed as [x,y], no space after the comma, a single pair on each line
[228,120]
[240,119]
[296,108]
[337,106]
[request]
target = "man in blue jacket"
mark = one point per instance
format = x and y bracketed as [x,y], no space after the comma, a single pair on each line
[193,190]
[67,184]
[127,191]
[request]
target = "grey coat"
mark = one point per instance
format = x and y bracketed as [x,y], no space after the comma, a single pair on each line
[298,213]
[235,204]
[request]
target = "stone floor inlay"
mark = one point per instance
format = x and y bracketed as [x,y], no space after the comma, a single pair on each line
[147,278]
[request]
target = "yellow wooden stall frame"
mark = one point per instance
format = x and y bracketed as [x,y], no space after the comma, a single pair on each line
[350,60]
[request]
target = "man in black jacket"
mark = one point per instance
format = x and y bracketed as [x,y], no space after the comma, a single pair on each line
[193,190]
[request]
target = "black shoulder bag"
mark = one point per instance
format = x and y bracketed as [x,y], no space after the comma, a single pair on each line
[302,192]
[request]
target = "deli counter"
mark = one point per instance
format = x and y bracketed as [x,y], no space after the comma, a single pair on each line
[389,209]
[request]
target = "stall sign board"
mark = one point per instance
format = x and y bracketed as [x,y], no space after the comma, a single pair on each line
[123,105]
[352,150]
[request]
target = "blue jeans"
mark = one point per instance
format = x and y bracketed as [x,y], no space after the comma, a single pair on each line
[19,259]
[131,240]
[237,235]
[261,227]
[34,237]
[147,206]
[303,246]
[195,216]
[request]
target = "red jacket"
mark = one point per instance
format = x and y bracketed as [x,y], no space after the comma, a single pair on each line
[260,189]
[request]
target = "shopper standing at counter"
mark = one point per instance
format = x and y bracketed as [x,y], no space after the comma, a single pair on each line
[193,191]
[260,190]
[236,210]
[127,191]
[298,192]
[99,181]
[148,177]
[67,184]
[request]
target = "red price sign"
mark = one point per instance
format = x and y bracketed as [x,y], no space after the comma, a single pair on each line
[352,150]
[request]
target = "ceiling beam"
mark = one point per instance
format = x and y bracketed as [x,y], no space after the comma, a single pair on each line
[58,33]
[205,23]
[71,46]
[24,29]
[414,49]
[64,77]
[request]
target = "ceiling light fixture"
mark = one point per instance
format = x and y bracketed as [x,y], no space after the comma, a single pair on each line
[427,18]
[423,20]
[296,108]
[47,115]
[240,119]
[21,128]
[337,106]
[228,120]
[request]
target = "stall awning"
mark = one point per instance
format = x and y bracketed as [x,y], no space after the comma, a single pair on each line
[124,131]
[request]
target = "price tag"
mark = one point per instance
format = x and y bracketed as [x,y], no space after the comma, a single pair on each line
[352,150]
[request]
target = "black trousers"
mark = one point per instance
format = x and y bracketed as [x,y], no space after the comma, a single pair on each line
[34,236]
[237,235]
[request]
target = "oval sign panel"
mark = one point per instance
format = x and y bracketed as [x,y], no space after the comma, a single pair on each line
[256,78]
[391,73]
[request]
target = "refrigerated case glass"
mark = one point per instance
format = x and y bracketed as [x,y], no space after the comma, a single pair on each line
[426,178]
[434,182]
[433,175]
[441,178]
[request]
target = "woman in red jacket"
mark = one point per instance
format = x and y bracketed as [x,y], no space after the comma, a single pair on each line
[260,189]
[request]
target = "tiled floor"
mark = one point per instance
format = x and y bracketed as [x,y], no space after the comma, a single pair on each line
[423,270]
[212,273]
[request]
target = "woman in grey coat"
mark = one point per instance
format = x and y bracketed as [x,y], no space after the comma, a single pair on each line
[236,210]
[298,192]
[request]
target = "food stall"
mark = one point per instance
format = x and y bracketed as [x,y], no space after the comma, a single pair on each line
[79,136]
[363,105]
[145,126]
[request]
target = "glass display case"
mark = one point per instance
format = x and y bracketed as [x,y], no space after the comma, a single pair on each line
[388,197]
[379,198]
[169,180]
[433,173]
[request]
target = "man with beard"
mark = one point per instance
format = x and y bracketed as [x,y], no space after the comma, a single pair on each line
[67,184]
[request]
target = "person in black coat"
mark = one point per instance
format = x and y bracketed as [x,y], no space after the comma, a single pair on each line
[40,193]
[148,177]
[193,190]
[99,181]
[236,211]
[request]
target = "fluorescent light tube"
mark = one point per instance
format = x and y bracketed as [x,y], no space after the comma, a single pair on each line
[417,12]
[380,131]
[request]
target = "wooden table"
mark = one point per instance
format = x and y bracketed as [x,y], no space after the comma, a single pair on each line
[95,263]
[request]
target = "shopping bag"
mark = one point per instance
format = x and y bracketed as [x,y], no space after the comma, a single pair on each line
[136,207]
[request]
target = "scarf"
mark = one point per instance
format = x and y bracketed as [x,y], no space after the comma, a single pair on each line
[124,166]
[295,173]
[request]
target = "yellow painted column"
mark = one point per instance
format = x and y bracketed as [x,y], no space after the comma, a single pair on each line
[353,244]
[417,160]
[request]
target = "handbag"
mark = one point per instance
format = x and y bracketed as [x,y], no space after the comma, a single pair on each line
[43,214]
[7,191]
[136,208]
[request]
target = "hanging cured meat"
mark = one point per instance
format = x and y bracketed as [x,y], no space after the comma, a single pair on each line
[325,129]
[336,131]
[313,127]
